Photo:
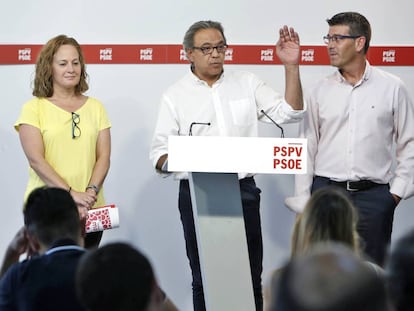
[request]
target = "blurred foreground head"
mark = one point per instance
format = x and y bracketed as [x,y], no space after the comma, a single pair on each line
[117,277]
[400,272]
[330,278]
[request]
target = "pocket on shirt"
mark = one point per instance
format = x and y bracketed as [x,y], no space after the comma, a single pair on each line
[243,112]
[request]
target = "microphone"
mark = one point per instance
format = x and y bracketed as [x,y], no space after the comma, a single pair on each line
[190,131]
[282,133]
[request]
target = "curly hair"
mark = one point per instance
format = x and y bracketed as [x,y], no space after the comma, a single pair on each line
[43,81]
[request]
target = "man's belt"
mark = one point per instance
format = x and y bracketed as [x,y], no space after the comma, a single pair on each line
[359,185]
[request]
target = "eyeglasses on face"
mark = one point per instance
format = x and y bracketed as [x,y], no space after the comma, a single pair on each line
[206,50]
[76,131]
[338,38]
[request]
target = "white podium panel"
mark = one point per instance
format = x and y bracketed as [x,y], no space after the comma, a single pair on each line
[221,240]
[237,154]
[213,164]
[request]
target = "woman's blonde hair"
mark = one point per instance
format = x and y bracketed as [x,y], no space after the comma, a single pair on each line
[329,216]
[43,81]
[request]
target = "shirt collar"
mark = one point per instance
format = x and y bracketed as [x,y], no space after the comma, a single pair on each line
[65,248]
[368,70]
[197,80]
[63,242]
[62,245]
[365,76]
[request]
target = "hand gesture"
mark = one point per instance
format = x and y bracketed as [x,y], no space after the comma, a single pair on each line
[20,244]
[84,200]
[288,47]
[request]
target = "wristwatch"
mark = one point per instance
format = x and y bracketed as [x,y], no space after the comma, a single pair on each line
[94,187]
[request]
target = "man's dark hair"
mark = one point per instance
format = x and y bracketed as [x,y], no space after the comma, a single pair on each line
[357,23]
[115,277]
[51,214]
[400,272]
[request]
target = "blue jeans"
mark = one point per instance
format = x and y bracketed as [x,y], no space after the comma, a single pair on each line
[375,208]
[250,195]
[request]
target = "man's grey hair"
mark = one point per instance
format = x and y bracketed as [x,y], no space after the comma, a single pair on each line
[188,41]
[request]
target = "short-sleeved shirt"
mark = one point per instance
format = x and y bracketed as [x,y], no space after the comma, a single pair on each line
[72,158]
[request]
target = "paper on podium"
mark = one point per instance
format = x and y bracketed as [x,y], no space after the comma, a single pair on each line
[266,155]
[102,218]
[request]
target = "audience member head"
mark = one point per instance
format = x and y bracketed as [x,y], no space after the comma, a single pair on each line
[329,216]
[51,214]
[117,277]
[357,23]
[329,278]
[43,82]
[400,273]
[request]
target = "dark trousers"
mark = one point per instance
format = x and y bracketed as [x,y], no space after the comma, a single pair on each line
[375,208]
[250,195]
[93,239]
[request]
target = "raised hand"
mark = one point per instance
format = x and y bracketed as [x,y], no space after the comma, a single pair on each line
[288,46]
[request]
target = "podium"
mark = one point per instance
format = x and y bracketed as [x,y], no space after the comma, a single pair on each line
[213,164]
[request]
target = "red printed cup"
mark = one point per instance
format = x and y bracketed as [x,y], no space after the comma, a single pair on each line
[102,218]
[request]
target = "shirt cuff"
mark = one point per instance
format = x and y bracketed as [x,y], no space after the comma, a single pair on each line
[291,115]
[402,188]
[296,204]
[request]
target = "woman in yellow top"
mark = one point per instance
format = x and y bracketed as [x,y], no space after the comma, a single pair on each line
[65,135]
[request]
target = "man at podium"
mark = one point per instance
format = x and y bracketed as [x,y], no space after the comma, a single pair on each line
[209,101]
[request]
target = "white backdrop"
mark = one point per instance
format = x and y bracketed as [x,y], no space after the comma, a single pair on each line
[149,215]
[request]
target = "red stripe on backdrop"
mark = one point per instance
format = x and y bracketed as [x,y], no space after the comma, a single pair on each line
[174,54]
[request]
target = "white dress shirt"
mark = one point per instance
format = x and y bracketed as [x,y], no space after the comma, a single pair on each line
[356,132]
[231,106]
